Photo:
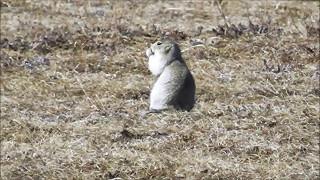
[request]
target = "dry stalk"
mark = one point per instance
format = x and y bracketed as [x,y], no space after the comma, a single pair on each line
[217,2]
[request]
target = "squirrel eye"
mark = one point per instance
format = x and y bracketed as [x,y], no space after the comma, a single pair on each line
[159,43]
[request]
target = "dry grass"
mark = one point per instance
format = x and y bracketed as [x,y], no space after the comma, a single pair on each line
[74,80]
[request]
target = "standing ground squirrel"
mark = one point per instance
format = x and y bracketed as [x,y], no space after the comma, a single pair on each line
[174,85]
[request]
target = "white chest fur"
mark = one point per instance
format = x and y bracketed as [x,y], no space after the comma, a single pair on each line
[160,91]
[156,64]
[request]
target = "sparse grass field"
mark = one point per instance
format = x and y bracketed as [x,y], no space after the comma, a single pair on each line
[75,79]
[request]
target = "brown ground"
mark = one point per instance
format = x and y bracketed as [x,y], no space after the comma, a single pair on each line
[75,79]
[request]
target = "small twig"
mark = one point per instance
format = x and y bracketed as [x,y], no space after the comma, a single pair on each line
[297,28]
[221,12]
[85,93]
[98,99]
[247,11]
[187,49]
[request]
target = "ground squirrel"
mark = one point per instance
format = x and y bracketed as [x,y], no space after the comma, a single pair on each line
[174,86]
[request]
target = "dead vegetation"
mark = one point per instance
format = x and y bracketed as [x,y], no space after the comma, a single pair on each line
[74,80]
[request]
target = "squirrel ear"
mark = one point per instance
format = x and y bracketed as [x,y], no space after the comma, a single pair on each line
[167,48]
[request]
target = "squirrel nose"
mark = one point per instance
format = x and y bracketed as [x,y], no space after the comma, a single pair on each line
[149,52]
